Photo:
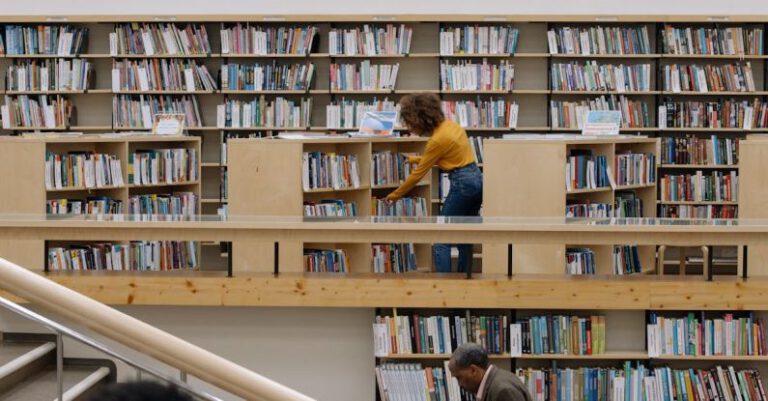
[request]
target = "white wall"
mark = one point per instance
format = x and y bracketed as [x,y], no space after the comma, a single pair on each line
[324,353]
[260,7]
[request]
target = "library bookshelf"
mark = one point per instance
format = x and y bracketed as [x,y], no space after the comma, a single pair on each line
[525,177]
[256,189]
[24,169]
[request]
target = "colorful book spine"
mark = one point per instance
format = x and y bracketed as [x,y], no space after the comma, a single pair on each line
[476,39]
[571,114]
[589,210]
[585,172]
[39,112]
[699,211]
[260,40]
[176,204]
[279,113]
[714,114]
[370,40]
[626,260]
[91,205]
[161,75]
[599,40]
[470,76]
[635,168]
[692,150]
[82,170]
[159,39]
[393,258]
[49,75]
[406,206]
[736,77]
[59,40]
[346,113]
[135,256]
[329,171]
[326,261]
[330,208]
[267,77]
[363,77]
[693,335]
[715,186]
[591,76]
[388,168]
[580,261]
[132,111]
[440,334]
[482,113]
[559,334]
[712,41]
[164,166]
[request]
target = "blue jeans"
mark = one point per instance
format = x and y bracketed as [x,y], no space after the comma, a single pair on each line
[464,199]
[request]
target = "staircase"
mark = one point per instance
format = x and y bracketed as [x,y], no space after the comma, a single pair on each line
[28,370]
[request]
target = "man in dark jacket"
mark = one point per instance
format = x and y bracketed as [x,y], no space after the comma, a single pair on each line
[469,365]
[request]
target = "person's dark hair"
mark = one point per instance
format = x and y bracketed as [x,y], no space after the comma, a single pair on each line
[140,391]
[470,354]
[421,112]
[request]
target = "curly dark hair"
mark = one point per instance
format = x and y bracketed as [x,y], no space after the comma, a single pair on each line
[421,112]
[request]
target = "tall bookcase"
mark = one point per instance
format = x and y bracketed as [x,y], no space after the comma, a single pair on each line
[526,178]
[258,189]
[23,166]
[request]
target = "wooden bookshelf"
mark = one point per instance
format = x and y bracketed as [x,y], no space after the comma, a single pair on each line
[526,178]
[255,189]
[23,167]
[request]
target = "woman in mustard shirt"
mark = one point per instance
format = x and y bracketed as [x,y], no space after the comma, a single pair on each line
[448,148]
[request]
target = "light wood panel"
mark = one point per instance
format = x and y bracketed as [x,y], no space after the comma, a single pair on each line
[420,291]
[753,194]
[22,172]
[265,180]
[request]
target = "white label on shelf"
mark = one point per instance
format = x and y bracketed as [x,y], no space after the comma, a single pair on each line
[165,18]
[383,17]
[606,18]
[717,18]
[494,18]
[56,19]
[274,18]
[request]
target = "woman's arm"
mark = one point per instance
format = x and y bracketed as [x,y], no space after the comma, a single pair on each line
[426,161]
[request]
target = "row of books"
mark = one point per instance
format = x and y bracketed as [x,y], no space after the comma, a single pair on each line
[370,40]
[175,204]
[138,255]
[643,384]
[388,168]
[476,39]
[690,149]
[626,205]
[734,77]
[635,168]
[558,334]
[393,258]
[326,261]
[158,39]
[571,114]
[330,208]
[366,76]
[714,114]
[492,113]
[471,76]
[409,381]
[580,261]
[590,210]
[161,74]
[348,113]
[49,75]
[699,211]
[476,143]
[60,40]
[90,205]
[260,112]
[329,170]
[163,166]
[626,260]
[45,111]
[591,76]
[584,170]
[715,186]
[263,40]
[405,206]
[262,77]
[131,111]
[712,41]
[82,170]
[439,334]
[599,40]
[698,335]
